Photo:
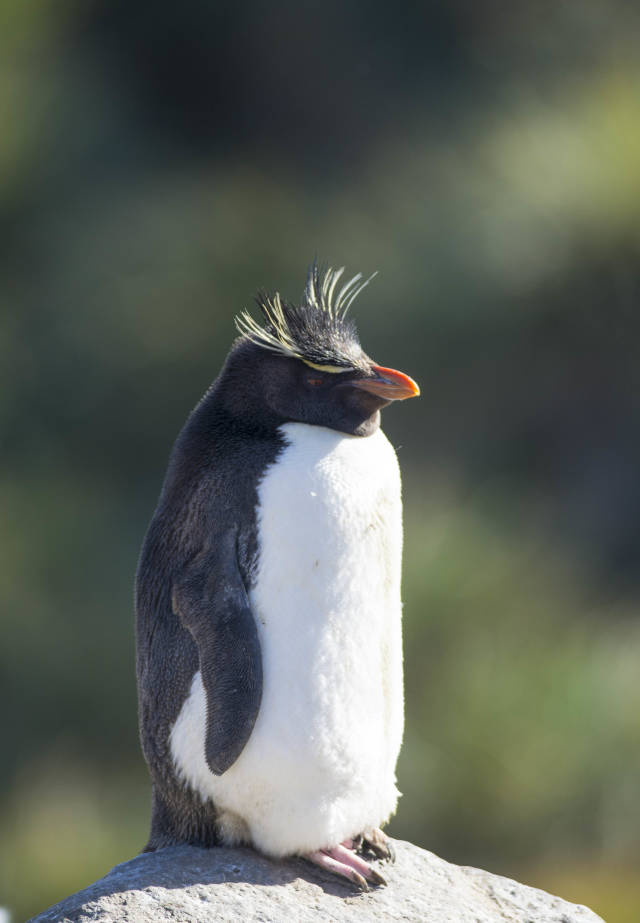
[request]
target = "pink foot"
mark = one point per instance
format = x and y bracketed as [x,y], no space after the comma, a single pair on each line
[341,860]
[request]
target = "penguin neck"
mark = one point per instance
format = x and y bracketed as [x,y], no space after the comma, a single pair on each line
[248,411]
[240,409]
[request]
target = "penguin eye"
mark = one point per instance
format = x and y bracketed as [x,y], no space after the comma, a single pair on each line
[314,381]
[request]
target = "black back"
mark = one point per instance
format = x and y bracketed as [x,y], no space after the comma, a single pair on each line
[209,494]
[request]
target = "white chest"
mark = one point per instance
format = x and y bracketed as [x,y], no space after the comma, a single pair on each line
[320,763]
[329,524]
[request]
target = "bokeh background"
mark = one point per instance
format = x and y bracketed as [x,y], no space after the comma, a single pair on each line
[160,162]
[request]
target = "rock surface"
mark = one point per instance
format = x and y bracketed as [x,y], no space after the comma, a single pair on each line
[188,885]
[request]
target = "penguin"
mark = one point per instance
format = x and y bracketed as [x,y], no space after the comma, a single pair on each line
[268,610]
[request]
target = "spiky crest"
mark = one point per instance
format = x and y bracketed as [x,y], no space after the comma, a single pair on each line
[317,330]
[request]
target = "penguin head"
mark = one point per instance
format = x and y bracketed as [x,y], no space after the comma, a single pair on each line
[306,364]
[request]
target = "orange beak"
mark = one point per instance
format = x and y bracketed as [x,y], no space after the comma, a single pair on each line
[388,384]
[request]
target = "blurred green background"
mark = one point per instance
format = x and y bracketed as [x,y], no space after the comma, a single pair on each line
[158,164]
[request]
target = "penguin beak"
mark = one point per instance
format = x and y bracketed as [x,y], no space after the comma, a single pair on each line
[388,384]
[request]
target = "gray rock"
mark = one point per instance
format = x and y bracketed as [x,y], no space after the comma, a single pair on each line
[188,885]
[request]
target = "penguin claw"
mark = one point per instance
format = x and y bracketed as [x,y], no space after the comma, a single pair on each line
[376,842]
[342,860]
[377,878]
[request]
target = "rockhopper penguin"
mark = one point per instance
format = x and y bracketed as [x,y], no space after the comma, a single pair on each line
[269,657]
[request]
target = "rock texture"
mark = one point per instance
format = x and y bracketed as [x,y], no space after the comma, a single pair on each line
[188,885]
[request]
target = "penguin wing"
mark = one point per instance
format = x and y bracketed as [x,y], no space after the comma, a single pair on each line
[212,603]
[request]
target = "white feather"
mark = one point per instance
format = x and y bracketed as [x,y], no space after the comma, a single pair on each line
[320,763]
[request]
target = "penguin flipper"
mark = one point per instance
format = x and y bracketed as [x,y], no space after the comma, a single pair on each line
[212,603]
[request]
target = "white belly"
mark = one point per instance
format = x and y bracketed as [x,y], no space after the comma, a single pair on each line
[320,763]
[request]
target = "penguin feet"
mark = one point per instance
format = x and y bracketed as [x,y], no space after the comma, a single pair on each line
[377,843]
[342,860]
